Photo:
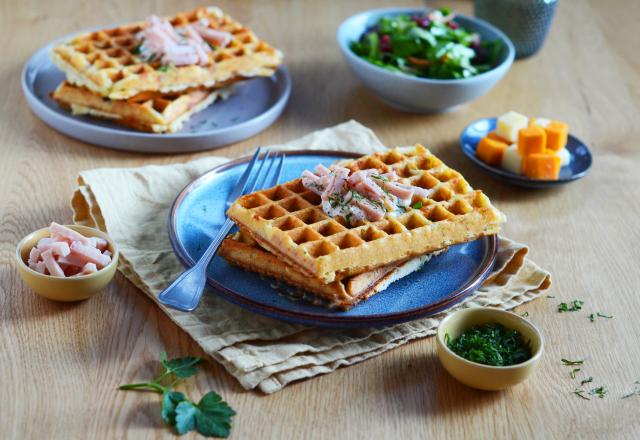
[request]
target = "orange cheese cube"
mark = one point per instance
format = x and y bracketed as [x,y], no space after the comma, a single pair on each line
[491,151]
[541,166]
[532,140]
[557,134]
[494,135]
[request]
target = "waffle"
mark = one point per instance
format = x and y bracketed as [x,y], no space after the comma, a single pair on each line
[289,222]
[147,111]
[106,61]
[242,251]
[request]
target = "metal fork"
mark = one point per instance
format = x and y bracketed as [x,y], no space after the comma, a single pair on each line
[185,292]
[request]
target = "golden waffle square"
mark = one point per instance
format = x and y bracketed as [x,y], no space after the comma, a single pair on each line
[147,111]
[243,252]
[108,63]
[288,220]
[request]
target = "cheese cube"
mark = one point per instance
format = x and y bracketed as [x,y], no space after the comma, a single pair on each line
[490,150]
[532,140]
[541,166]
[565,157]
[493,135]
[557,135]
[540,122]
[512,160]
[509,124]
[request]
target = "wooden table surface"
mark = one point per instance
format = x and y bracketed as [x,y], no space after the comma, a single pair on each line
[60,364]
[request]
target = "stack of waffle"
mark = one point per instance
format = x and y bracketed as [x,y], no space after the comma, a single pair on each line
[286,234]
[108,77]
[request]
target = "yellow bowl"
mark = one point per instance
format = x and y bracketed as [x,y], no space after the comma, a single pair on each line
[487,377]
[65,289]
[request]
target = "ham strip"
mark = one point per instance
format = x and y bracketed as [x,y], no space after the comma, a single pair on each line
[90,254]
[371,210]
[59,248]
[59,231]
[88,269]
[34,255]
[51,264]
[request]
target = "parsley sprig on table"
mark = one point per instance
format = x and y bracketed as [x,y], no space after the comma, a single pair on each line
[211,416]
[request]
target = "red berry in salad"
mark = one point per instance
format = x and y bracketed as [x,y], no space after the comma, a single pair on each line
[385,43]
[423,22]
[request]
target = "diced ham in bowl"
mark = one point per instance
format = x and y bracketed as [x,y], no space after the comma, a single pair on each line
[67,253]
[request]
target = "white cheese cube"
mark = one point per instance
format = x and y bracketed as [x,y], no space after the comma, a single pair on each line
[565,157]
[542,122]
[512,160]
[509,124]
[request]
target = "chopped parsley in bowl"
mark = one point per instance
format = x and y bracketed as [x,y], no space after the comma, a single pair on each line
[428,45]
[491,344]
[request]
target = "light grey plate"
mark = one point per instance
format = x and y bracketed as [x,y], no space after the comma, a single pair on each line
[254,106]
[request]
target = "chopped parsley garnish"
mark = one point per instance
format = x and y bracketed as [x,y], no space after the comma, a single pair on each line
[576,305]
[356,195]
[592,317]
[600,391]
[379,177]
[335,200]
[570,362]
[136,50]
[580,393]
[417,205]
[164,68]
[587,380]
[525,314]
[573,373]
[491,344]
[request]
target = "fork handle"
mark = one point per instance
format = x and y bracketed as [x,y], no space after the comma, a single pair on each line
[215,244]
[185,292]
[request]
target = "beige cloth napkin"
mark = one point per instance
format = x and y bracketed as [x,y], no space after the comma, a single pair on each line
[132,204]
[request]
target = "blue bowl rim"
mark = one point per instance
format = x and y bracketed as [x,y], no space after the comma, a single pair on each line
[318,319]
[516,178]
[348,53]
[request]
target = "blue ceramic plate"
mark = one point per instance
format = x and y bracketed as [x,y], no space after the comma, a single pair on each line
[577,168]
[255,105]
[198,212]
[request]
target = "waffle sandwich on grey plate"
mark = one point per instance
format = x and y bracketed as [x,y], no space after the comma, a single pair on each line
[344,233]
[166,68]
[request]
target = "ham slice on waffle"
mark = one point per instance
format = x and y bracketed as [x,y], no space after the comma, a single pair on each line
[290,223]
[109,62]
[147,111]
[242,251]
